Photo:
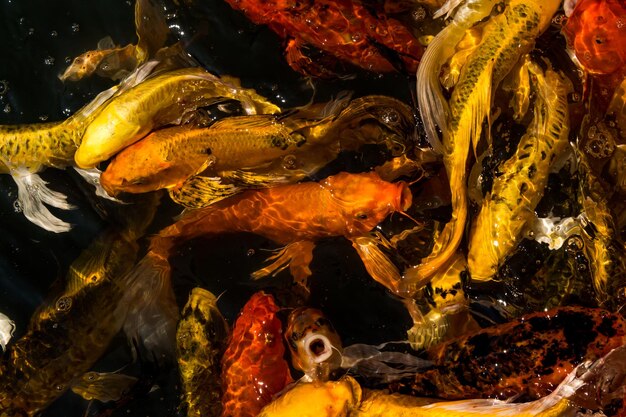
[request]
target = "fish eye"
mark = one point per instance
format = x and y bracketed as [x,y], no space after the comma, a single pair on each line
[361,216]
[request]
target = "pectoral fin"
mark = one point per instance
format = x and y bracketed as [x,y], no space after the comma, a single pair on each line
[198,192]
[103,387]
[246,179]
[92,176]
[378,265]
[297,256]
[32,193]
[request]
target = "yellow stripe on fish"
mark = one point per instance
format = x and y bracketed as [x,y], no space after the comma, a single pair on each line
[159,100]
[515,194]
[505,38]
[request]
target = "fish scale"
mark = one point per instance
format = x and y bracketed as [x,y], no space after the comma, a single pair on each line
[506,37]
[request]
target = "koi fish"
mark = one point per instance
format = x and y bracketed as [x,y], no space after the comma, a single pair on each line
[321,399]
[505,38]
[556,404]
[253,368]
[431,102]
[441,311]
[597,32]
[201,340]
[26,150]
[203,165]
[158,101]
[74,327]
[314,344]
[348,205]
[343,29]
[115,62]
[514,195]
[528,356]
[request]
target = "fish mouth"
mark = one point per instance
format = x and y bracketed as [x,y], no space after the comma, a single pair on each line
[404,197]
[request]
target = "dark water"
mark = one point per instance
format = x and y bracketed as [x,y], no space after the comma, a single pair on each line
[37,40]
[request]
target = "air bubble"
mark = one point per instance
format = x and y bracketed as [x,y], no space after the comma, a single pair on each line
[356,37]
[17,206]
[390,116]
[7,109]
[54,34]
[250,252]
[49,61]
[418,14]
[289,162]
[64,304]
[4,87]
[75,27]
[43,117]
[66,111]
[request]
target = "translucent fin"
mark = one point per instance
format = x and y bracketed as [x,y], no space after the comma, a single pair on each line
[153,314]
[103,386]
[92,176]
[198,192]
[32,193]
[151,28]
[431,102]
[7,327]
[106,43]
[255,180]
[372,363]
[378,264]
[448,9]
[297,256]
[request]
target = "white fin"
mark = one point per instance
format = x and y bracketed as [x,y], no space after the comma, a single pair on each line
[498,408]
[7,327]
[447,8]
[372,362]
[554,231]
[153,314]
[106,43]
[32,192]
[92,176]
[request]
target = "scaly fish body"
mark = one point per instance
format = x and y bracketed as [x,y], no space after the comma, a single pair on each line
[168,157]
[253,367]
[505,38]
[67,336]
[344,29]
[157,101]
[314,344]
[201,340]
[342,205]
[327,399]
[73,327]
[515,194]
[528,356]
[432,104]
[35,146]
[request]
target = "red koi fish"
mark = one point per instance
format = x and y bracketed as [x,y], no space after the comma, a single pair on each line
[529,356]
[343,29]
[253,367]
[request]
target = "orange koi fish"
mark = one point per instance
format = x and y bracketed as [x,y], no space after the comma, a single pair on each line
[253,367]
[297,215]
[596,30]
[114,61]
[343,29]
[528,356]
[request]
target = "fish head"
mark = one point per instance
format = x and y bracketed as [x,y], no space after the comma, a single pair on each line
[364,200]
[261,311]
[314,344]
[140,168]
[106,135]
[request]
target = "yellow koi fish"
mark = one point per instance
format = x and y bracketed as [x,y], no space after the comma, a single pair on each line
[441,312]
[74,327]
[431,102]
[115,62]
[159,100]
[505,38]
[25,150]
[200,342]
[317,399]
[515,194]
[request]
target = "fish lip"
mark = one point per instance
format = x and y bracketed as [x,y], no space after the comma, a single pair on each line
[404,197]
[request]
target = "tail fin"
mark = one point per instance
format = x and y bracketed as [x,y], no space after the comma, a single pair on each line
[153,313]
